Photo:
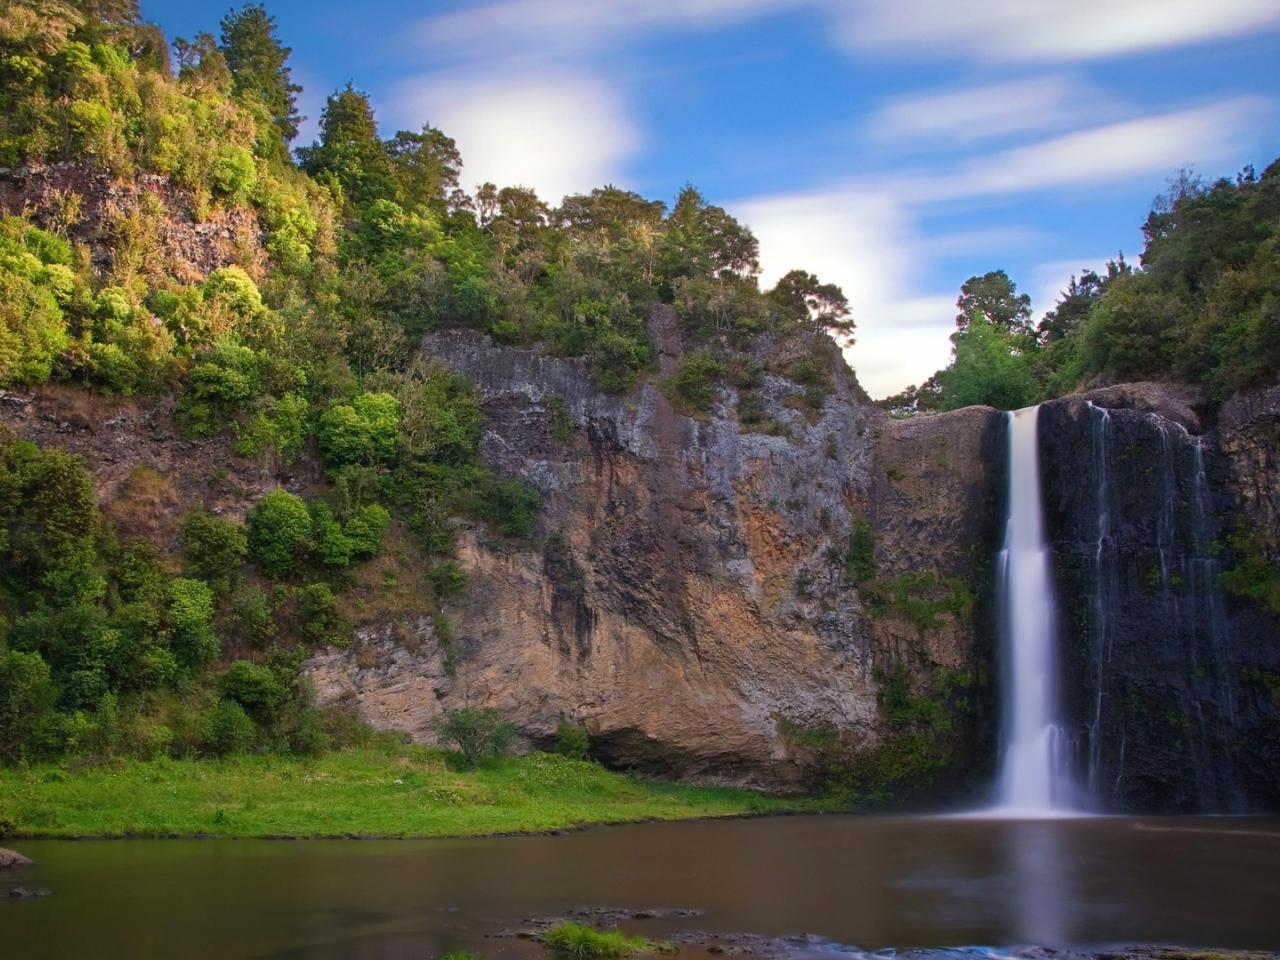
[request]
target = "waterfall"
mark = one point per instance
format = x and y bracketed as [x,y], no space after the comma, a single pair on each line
[1035,776]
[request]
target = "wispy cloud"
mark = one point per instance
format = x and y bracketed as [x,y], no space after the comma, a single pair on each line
[972,114]
[522,27]
[1049,30]
[560,132]
[1108,153]
[866,240]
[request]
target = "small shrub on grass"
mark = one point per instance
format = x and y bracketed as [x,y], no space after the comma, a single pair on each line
[309,738]
[477,732]
[27,696]
[228,730]
[580,942]
[572,740]
[254,687]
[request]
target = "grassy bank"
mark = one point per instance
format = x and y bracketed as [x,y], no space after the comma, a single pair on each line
[412,792]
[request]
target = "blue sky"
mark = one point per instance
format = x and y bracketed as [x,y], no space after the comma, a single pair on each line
[895,148]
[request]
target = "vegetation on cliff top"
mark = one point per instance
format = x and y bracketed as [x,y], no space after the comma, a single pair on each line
[1202,306]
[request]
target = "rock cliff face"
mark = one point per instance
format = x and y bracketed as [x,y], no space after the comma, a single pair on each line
[735,605]
[147,475]
[1166,672]
[686,598]
[97,210]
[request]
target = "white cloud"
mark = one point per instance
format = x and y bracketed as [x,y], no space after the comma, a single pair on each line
[520,26]
[559,132]
[1107,154]
[971,114]
[864,240]
[1037,31]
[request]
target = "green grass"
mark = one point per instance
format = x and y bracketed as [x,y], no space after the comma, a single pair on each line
[405,792]
[579,942]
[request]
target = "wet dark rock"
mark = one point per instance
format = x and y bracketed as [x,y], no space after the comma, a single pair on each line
[1157,658]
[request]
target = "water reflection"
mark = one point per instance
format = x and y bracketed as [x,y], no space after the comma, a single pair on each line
[1041,881]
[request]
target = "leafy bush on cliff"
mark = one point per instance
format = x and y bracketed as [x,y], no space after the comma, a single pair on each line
[36,283]
[191,614]
[364,431]
[318,617]
[694,385]
[1253,575]
[214,549]
[280,532]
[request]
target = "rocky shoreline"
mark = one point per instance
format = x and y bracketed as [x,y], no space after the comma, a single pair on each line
[811,946]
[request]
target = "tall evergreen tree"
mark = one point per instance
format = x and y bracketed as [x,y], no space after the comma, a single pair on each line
[259,65]
[349,151]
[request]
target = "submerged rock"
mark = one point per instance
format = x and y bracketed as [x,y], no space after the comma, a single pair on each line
[12,858]
[24,893]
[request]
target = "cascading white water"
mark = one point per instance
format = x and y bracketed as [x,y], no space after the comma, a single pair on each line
[1035,778]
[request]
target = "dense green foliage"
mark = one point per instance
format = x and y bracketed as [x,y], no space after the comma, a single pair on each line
[1202,307]
[103,650]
